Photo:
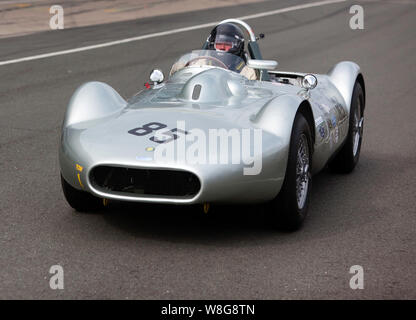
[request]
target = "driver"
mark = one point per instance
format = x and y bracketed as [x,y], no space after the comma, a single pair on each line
[227,37]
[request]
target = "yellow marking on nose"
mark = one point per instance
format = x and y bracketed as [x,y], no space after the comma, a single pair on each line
[150,149]
[79,168]
[105,202]
[206,207]
[80,182]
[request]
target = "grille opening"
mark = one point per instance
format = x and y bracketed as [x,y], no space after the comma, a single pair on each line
[197,91]
[145,181]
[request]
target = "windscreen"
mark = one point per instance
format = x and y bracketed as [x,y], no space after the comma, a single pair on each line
[200,58]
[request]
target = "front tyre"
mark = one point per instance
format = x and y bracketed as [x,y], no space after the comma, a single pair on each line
[347,158]
[80,200]
[290,207]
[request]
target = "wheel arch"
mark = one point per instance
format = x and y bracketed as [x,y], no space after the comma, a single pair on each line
[306,110]
[278,117]
[92,100]
[360,80]
[344,75]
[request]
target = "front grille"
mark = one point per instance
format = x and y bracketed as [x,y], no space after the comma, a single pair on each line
[150,182]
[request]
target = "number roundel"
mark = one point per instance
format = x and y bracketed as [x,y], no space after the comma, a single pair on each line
[154,126]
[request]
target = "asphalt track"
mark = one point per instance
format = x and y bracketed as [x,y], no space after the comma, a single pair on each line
[366,218]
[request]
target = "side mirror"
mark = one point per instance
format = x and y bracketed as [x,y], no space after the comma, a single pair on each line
[262,64]
[309,82]
[156,76]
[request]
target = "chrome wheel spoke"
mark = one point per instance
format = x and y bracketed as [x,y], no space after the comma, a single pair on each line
[357,129]
[302,171]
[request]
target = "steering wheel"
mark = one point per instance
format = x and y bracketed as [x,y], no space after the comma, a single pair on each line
[217,61]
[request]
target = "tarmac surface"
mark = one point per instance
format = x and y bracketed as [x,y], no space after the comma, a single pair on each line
[24,17]
[366,218]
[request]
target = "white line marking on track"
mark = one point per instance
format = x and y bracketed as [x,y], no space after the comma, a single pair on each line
[165,33]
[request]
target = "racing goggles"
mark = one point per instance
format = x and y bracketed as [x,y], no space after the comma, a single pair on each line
[225,42]
[223,46]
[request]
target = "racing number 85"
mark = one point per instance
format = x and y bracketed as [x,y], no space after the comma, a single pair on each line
[154,126]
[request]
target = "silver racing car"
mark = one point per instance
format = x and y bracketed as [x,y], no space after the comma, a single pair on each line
[224,127]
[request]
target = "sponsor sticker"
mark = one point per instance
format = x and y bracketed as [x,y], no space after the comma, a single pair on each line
[335,135]
[321,130]
[319,122]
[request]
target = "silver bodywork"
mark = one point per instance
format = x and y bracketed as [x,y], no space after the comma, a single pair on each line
[97,120]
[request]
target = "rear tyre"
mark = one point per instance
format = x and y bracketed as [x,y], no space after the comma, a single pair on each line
[347,158]
[80,200]
[290,207]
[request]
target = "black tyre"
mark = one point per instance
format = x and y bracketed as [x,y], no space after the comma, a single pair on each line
[290,207]
[80,200]
[347,158]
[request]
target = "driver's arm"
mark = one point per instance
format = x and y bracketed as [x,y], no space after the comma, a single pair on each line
[249,73]
[176,67]
[195,62]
